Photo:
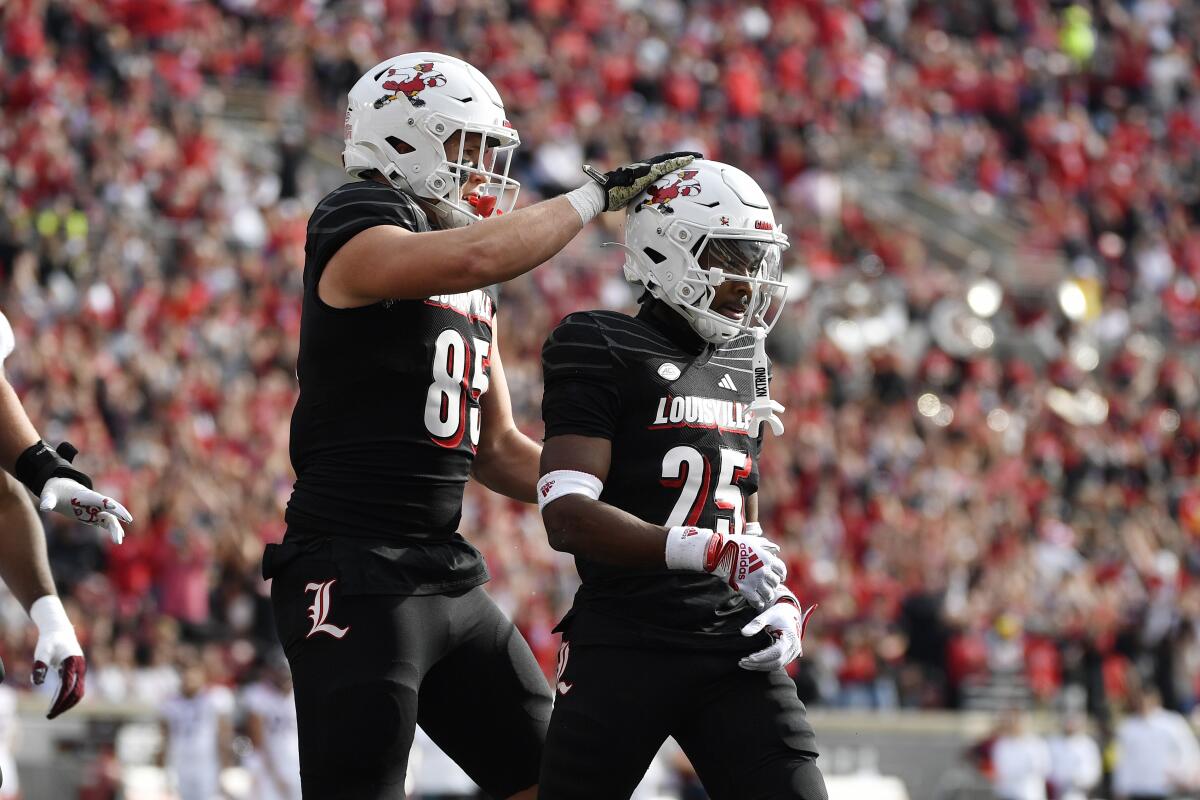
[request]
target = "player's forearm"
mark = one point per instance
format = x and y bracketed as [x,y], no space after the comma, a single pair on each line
[599,532]
[513,244]
[17,433]
[24,566]
[406,265]
[508,465]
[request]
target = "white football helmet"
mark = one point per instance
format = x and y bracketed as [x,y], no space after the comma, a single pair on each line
[400,114]
[694,227]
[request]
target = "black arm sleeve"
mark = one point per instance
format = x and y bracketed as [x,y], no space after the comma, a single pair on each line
[581,375]
[348,211]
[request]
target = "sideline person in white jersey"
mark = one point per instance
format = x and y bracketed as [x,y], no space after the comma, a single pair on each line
[29,463]
[11,790]
[274,763]
[1157,754]
[197,731]
[1075,763]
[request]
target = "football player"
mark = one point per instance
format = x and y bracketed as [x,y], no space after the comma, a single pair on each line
[377,598]
[31,464]
[653,431]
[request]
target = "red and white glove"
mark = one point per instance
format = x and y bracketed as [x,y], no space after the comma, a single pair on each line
[57,649]
[71,498]
[785,621]
[749,564]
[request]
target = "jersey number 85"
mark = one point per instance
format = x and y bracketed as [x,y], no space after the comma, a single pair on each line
[446,407]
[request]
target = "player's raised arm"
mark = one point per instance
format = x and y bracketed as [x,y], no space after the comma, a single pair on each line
[388,262]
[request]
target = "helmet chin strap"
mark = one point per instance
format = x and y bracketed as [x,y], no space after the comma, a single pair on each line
[763,408]
[711,330]
[447,215]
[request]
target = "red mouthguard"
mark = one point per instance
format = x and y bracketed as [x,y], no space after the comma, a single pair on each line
[484,205]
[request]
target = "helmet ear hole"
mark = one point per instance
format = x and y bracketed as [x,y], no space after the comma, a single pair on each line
[399,146]
[654,255]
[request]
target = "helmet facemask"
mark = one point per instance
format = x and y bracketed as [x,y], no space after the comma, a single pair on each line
[483,153]
[717,256]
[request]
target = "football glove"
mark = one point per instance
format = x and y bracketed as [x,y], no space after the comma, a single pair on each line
[785,621]
[57,649]
[625,183]
[62,488]
[749,564]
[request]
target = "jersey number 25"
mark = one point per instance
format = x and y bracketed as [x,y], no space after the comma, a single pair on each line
[686,468]
[447,412]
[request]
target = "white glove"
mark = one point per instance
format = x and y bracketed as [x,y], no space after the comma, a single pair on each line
[72,499]
[786,623]
[749,564]
[58,649]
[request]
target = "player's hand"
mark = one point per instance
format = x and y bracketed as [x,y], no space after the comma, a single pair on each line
[786,623]
[71,498]
[749,564]
[625,183]
[57,649]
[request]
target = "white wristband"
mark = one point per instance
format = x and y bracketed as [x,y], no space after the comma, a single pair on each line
[752,529]
[687,547]
[48,614]
[560,482]
[588,201]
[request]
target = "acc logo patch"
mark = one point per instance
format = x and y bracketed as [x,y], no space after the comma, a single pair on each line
[668,371]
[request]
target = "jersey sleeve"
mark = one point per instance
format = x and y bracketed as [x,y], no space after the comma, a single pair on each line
[581,375]
[350,210]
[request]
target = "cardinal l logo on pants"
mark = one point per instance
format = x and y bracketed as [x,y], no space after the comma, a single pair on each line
[318,612]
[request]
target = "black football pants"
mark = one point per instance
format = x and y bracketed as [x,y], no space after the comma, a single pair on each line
[745,732]
[368,668]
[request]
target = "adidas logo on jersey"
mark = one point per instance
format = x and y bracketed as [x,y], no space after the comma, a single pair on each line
[701,412]
[726,382]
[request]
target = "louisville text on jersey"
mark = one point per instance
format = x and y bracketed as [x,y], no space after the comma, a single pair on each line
[475,305]
[701,412]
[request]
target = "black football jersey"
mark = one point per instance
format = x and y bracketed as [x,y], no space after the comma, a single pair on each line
[388,419]
[675,410]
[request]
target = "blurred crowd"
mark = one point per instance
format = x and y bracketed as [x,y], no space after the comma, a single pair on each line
[1021,509]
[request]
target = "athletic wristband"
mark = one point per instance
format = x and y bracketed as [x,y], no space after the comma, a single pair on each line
[588,201]
[48,614]
[560,482]
[39,464]
[692,548]
[752,529]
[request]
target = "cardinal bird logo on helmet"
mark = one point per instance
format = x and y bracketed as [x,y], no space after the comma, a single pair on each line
[678,184]
[413,80]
